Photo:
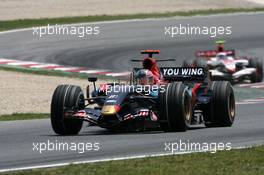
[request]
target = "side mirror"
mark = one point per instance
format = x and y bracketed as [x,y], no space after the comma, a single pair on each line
[87,91]
[92,79]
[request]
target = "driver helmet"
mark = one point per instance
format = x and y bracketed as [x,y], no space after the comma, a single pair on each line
[144,77]
[221,56]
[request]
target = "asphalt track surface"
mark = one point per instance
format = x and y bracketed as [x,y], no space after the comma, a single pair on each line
[118,43]
[17,139]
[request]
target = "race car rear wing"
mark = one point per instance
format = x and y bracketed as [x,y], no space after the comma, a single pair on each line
[161,60]
[184,73]
[150,52]
[213,53]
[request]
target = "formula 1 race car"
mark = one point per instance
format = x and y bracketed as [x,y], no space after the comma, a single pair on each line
[182,97]
[224,65]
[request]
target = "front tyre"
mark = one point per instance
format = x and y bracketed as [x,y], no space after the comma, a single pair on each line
[256,63]
[66,97]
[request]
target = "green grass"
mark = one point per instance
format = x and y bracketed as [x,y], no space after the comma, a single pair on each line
[235,162]
[23,116]
[25,23]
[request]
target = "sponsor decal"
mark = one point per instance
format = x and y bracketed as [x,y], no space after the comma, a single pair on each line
[181,73]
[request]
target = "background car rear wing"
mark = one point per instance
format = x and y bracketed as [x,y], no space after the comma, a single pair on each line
[213,53]
[183,73]
[150,52]
[161,60]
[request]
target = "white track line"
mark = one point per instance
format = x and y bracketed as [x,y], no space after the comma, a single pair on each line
[92,71]
[258,87]
[247,103]
[251,101]
[251,84]
[66,68]
[255,100]
[41,66]
[106,160]
[118,74]
[21,63]
[4,60]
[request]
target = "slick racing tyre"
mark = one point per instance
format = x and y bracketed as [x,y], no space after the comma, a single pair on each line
[175,109]
[66,97]
[258,64]
[222,105]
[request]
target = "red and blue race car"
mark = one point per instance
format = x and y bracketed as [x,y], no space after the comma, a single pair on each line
[157,98]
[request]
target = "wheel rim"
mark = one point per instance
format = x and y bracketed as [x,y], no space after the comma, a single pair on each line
[186,108]
[260,73]
[231,106]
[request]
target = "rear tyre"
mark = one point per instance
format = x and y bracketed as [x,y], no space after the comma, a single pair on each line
[258,64]
[222,113]
[66,97]
[175,110]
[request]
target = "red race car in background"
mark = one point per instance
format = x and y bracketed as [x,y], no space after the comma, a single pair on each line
[224,65]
